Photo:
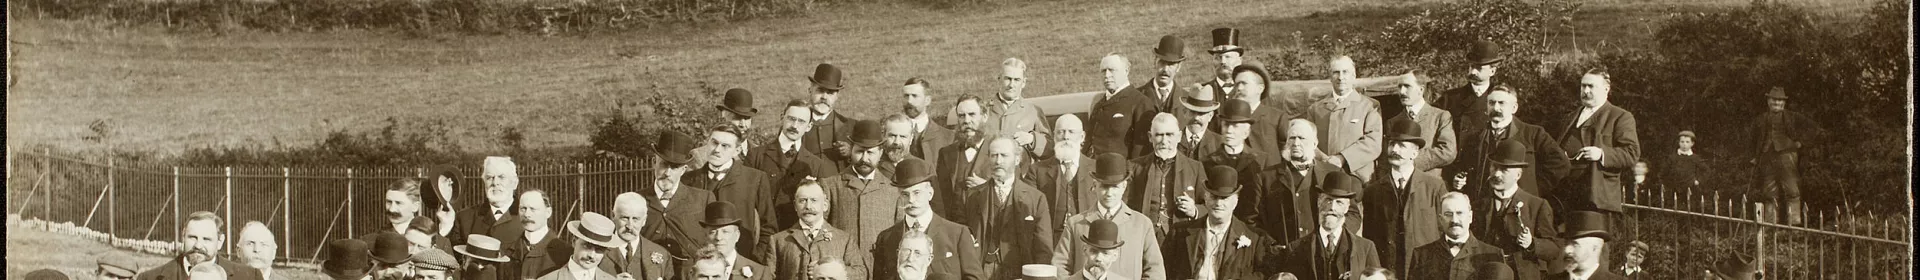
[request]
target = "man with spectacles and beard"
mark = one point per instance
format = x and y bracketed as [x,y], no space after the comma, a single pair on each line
[200,242]
[679,204]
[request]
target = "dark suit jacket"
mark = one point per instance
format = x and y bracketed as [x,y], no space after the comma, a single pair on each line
[1796,129]
[1208,144]
[1011,235]
[1592,186]
[950,180]
[1502,228]
[1187,177]
[478,219]
[1119,124]
[794,253]
[1290,199]
[1602,274]
[1547,166]
[750,194]
[1249,164]
[532,259]
[1434,261]
[1679,170]
[783,175]
[176,270]
[1468,108]
[679,228]
[651,262]
[819,141]
[1269,130]
[1171,105]
[1308,259]
[1066,194]
[953,251]
[1401,219]
[927,145]
[1186,250]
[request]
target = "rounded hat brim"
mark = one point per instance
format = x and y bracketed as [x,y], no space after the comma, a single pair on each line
[720,223]
[346,274]
[739,111]
[1115,244]
[1226,48]
[818,84]
[462,249]
[1199,108]
[574,228]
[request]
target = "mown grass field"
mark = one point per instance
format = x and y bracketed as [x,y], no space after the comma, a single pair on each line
[164,91]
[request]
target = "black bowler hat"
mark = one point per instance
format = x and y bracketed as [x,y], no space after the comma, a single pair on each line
[1111,169]
[867,134]
[1738,267]
[347,258]
[390,248]
[1510,153]
[911,171]
[826,76]
[1403,128]
[1236,111]
[1493,271]
[674,147]
[720,214]
[739,101]
[1103,234]
[1340,185]
[1586,224]
[1484,52]
[1226,40]
[1171,49]
[1222,181]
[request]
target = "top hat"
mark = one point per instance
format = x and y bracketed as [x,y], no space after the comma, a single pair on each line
[390,248]
[1200,101]
[1222,180]
[1484,52]
[911,171]
[1103,234]
[1340,185]
[595,229]
[739,101]
[1777,93]
[1038,272]
[347,258]
[434,260]
[1493,271]
[118,264]
[47,274]
[867,134]
[1235,111]
[1111,169]
[1738,267]
[1403,128]
[826,76]
[719,214]
[674,147]
[1171,49]
[1226,40]
[1585,224]
[481,247]
[1509,153]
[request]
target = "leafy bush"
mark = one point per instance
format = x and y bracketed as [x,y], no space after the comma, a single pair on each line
[629,129]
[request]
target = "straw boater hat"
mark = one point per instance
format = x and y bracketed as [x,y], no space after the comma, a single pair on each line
[347,258]
[1226,40]
[1038,272]
[738,101]
[482,247]
[1170,49]
[1111,169]
[826,76]
[1403,128]
[595,229]
[47,274]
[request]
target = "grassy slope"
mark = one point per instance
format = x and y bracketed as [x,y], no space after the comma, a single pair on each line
[32,249]
[166,91]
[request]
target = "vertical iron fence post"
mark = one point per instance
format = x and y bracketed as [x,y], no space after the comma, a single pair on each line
[176,199]
[580,189]
[110,209]
[286,218]
[227,194]
[48,162]
[349,206]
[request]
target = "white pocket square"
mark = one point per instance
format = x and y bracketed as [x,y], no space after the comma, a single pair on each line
[1353,121]
[1029,218]
[1118,115]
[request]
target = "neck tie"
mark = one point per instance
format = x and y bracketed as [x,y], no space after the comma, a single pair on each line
[1402,183]
[497,213]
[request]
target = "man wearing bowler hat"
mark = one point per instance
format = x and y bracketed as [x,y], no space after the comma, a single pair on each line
[1011,218]
[347,259]
[1226,50]
[1166,186]
[737,109]
[1398,207]
[1010,115]
[592,237]
[1103,244]
[1436,124]
[739,185]
[1222,246]
[1493,271]
[1455,255]
[1520,223]
[863,199]
[830,128]
[811,241]
[1140,258]
[1200,132]
[390,256]
[1162,93]
[724,232]
[1236,126]
[1469,103]
[483,258]
[1586,235]
[1066,178]
[954,250]
[678,204]
[1777,137]
[637,258]
[1332,251]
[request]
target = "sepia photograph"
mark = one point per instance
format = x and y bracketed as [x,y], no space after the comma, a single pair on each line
[959,139]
